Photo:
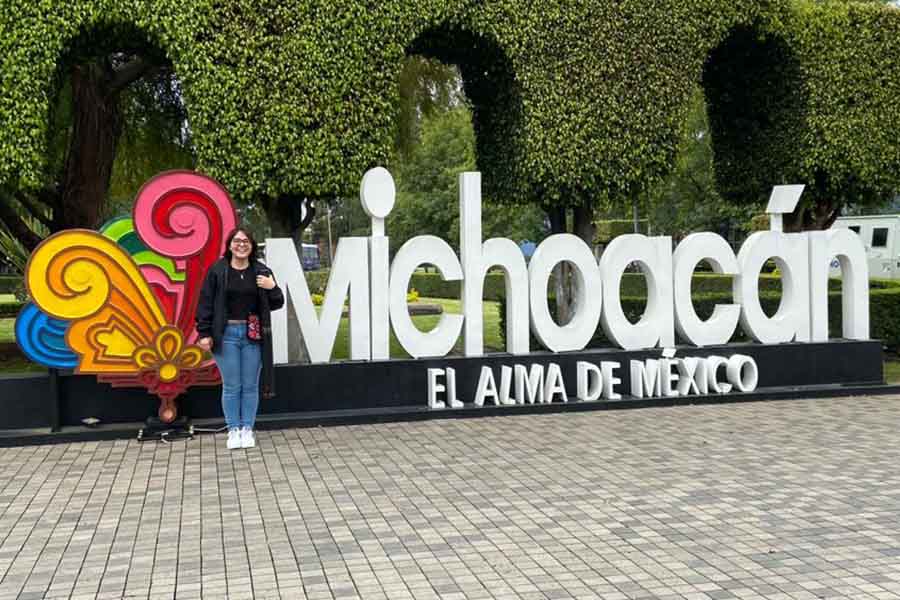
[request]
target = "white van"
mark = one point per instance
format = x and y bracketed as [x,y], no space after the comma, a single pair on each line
[879,234]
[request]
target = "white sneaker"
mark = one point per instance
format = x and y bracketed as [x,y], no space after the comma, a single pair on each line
[248,439]
[234,438]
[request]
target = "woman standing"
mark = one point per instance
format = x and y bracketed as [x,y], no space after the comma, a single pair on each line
[233,322]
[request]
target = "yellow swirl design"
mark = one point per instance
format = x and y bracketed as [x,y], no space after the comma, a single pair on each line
[84,277]
[168,356]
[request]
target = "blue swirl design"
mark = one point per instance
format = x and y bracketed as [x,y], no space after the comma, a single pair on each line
[43,338]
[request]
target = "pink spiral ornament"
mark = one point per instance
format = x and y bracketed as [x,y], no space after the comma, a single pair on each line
[185,216]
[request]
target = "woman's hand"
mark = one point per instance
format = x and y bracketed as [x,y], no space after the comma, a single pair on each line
[266,283]
[205,344]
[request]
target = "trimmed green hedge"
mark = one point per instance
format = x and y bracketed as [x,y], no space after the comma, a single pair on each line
[429,285]
[432,285]
[884,315]
[10,309]
[784,105]
[572,101]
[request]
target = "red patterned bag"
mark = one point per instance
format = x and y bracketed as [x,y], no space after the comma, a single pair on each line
[254,329]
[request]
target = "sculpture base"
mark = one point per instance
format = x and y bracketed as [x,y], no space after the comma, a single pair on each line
[390,389]
[156,429]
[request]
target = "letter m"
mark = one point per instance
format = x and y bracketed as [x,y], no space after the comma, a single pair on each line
[349,276]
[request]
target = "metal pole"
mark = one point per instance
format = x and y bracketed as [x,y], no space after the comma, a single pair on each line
[634,214]
[330,245]
[55,424]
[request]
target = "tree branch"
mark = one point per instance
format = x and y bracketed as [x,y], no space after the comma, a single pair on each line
[50,196]
[129,73]
[17,227]
[695,183]
[310,213]
[35,211]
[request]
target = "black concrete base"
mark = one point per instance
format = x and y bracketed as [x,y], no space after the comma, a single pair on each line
[355,390]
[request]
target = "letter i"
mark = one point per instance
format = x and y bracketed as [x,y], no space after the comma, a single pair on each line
[377,193]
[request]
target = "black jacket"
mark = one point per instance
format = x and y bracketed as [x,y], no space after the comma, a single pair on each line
[212,318]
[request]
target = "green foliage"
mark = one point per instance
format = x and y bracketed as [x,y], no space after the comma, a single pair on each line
[810,96]
[318,298]
[570,100]
[155,138]
[432,285]
[426,88]
[428,191]
[427,285]
[687,200]
[607,229]
[12,253]
[427,181]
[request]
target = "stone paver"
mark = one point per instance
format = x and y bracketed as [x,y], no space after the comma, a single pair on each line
[790,500]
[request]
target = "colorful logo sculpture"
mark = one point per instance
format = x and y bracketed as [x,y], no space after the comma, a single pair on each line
[120,304]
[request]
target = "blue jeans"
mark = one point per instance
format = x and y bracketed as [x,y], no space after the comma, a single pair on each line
[239,361]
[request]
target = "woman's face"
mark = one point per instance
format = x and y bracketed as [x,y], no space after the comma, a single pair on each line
[240,245]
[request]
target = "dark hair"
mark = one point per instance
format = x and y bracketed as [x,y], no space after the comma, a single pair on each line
[249,235]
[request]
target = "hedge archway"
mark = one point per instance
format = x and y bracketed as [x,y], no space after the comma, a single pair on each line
[490,85]
[755,106]
[294,97]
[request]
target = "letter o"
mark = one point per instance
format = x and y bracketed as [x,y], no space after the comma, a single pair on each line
[575,334]
[743,373]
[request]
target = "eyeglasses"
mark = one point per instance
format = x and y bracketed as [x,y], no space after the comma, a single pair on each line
[237,242]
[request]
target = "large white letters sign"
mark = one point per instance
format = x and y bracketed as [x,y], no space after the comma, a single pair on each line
[377,295]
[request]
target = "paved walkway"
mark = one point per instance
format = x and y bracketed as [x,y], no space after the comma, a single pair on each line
[791,500]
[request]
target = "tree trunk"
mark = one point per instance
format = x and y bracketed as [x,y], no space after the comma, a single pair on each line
[78,197]
[825,214]
[818,215]
[583,227]
[16,224]
[287,220]
[584,223]
[562,290]
[565,281]
[96,127]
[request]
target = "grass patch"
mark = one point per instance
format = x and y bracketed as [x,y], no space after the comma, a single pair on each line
[7,298]
[892,371]
[13,362]
[493,342]
[19,364]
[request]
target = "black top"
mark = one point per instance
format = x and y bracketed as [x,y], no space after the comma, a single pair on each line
[241,296]
[212,307]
